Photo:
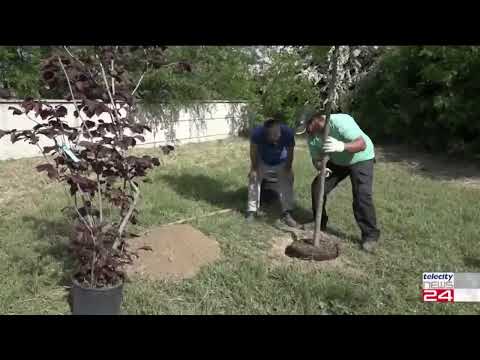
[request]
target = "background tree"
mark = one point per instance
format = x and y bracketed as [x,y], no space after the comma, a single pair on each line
[19,67]
[354,63]
[424,95]
[218,73]
[283,87]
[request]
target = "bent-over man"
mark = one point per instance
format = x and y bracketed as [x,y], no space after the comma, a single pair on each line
[271,156]
[351,153]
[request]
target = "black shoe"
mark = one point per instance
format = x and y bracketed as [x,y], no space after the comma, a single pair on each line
[369,245]
[250,216]
[260,213]
[288,220]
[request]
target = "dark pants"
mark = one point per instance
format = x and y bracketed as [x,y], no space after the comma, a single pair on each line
[361,176]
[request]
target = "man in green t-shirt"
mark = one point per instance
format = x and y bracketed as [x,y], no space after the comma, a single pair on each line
[351,153]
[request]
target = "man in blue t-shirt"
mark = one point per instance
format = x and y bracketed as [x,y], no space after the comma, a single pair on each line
[271,155]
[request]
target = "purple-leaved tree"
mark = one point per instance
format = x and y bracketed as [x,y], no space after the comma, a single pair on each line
[92,160]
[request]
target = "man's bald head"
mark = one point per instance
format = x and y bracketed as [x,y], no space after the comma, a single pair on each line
[273,131]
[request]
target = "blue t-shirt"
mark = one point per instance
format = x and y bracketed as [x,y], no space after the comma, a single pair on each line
[273,154]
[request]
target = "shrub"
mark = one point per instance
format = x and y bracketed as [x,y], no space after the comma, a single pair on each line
[424,95]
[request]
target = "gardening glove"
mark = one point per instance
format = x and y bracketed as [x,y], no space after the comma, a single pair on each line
[318,166]
[333,145]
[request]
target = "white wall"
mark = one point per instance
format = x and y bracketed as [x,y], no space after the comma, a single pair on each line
[197,123]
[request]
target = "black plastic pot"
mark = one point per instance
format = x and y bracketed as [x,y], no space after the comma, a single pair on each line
[93,301]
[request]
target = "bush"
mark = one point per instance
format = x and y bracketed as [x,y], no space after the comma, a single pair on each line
[424,95]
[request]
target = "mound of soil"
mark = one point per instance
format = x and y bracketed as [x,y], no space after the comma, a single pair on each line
[327,250]
[340,264]
[172,252]
[302,247]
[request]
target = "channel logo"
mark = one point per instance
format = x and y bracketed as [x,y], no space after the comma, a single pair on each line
[450,287]
[438,287]
[438,280]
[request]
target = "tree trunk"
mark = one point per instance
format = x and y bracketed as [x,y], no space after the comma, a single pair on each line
[328,110]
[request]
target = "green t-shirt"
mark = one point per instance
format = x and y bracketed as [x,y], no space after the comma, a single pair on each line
[344,128]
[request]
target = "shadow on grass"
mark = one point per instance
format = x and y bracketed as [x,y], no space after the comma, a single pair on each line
[211,190]
[201,187]
[432,166]
[332,231]
[471,261]
[52,235]
[342,235]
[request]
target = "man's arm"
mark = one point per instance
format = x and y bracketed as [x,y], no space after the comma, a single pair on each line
[253,156]
[315,154]
[352,136]
[290,152]
[351,139]
[356,145]
[290,149]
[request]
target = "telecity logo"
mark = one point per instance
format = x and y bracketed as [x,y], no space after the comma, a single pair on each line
[438,280]
[438,287]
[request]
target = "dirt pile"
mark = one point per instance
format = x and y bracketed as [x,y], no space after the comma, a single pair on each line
[175,252]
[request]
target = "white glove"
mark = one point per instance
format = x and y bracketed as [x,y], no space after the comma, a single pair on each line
[318,166]
[333,145]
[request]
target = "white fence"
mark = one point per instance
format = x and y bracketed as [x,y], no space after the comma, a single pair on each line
[196,123]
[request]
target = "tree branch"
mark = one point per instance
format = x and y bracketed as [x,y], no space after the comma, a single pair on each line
[113,79]
[66,192]
[319,210]
[114,105]
[143,74]
[28,116]
[92,272]
[77,59]
[127,217]
[100,198]
[108,90]
[72,56]
[138,83]
[73,99]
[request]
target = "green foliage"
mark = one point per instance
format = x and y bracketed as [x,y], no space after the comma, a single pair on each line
[19,69]
[316,55]
[218,73]
[425,95]
[274,87]
[283,89]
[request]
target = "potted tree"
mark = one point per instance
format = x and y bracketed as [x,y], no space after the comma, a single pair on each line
[92,160]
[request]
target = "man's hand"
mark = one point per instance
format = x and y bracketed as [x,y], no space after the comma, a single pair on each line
[318,166]
[252,175]
[287,169]
[333,145]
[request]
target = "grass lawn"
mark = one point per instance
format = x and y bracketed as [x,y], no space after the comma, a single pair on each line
[429,219]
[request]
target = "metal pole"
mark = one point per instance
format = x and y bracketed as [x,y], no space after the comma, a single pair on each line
[328,110]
